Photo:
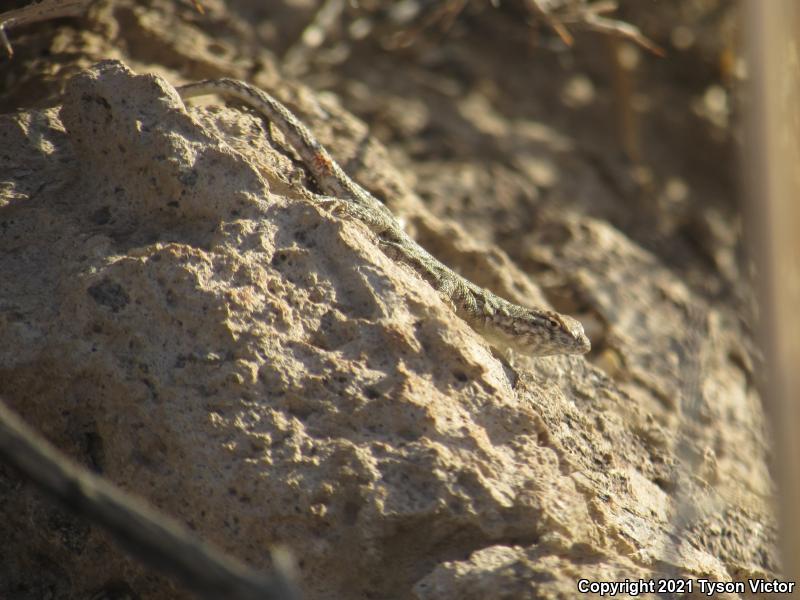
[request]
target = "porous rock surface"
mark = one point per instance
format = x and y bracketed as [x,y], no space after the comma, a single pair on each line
[177,315]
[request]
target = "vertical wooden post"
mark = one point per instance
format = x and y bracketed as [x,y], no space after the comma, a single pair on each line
[772,217]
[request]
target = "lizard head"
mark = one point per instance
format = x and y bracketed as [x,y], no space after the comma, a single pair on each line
[565,335]
[536,332]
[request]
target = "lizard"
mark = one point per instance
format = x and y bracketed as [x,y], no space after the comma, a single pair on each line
[532,331]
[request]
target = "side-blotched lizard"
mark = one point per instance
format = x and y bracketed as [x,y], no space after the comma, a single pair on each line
[534,331]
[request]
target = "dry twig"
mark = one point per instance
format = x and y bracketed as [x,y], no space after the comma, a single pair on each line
[156,540]
[42,10]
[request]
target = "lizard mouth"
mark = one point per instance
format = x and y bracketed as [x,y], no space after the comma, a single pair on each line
[583,344]
[581,340]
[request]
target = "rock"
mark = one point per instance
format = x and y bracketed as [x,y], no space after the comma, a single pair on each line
[176,315]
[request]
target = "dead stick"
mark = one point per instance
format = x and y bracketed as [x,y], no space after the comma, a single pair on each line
[156,540]
[38,11]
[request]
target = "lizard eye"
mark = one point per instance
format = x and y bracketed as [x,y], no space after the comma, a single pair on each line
[553,324]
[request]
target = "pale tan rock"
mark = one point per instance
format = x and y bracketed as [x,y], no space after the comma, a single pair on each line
[176,315]
[249,363]
[509,572]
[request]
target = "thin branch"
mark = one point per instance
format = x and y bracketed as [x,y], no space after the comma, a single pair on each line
[156,540]
[624,30]
[557,13]
[38,11]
